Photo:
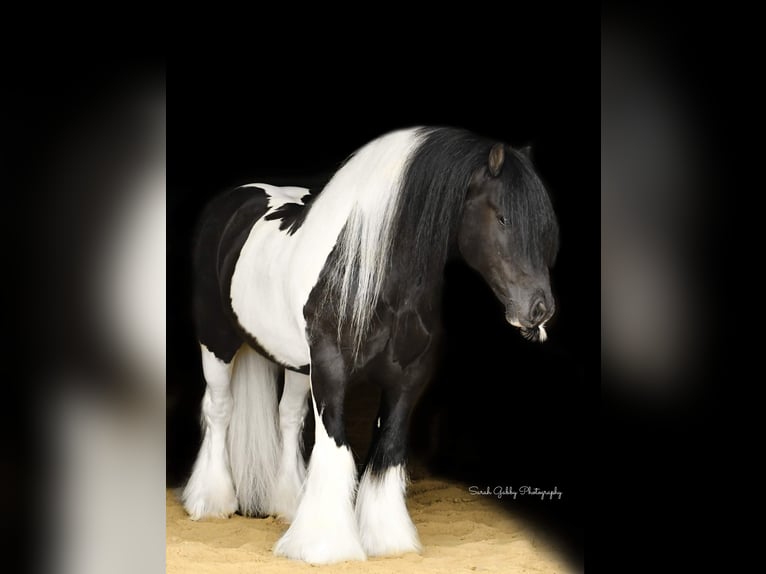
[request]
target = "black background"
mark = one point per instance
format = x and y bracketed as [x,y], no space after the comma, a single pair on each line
[517,412]
[501,411]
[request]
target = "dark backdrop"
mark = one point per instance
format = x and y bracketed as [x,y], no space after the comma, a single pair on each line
[501,411]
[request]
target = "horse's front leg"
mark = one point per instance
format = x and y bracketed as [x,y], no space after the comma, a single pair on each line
[324,529]
[384,523]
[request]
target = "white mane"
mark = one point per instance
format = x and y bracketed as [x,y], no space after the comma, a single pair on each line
[370,180]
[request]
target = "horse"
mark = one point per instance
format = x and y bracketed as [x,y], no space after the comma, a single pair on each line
[344,283]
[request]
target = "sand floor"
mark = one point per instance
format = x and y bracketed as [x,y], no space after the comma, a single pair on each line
[459,532]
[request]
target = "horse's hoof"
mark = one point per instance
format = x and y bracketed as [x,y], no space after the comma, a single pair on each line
[220,502]
[322,546]
[210,508]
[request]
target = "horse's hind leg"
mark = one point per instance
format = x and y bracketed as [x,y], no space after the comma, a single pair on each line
[324,529]
[210,492]
[292,468]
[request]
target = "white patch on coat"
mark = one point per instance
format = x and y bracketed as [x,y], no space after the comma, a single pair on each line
[279,195]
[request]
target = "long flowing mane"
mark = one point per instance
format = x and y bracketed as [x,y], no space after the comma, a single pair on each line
[410,190]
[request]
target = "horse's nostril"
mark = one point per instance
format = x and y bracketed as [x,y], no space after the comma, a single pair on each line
[538,312]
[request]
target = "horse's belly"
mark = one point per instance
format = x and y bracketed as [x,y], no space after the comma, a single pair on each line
[264,298]
[285,341]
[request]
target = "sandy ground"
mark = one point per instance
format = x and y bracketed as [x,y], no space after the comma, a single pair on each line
[459,532]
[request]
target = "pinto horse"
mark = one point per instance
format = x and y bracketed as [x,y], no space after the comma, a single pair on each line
[340,284]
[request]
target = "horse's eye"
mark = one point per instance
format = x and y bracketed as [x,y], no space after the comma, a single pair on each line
[501,220]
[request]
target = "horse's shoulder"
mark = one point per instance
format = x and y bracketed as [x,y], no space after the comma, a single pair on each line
[412,335]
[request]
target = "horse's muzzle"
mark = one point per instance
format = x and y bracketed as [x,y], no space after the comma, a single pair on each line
[537,334]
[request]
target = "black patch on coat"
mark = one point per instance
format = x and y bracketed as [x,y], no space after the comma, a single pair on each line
[292,215]
[223,229]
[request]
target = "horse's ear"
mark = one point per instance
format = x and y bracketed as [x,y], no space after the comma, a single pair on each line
[526,151]
[496,159]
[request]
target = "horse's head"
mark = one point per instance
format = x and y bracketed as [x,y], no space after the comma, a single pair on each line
[508,233]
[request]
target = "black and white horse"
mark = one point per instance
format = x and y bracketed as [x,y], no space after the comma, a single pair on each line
[343,284]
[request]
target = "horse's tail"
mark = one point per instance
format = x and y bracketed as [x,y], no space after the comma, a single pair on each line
[253,437]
